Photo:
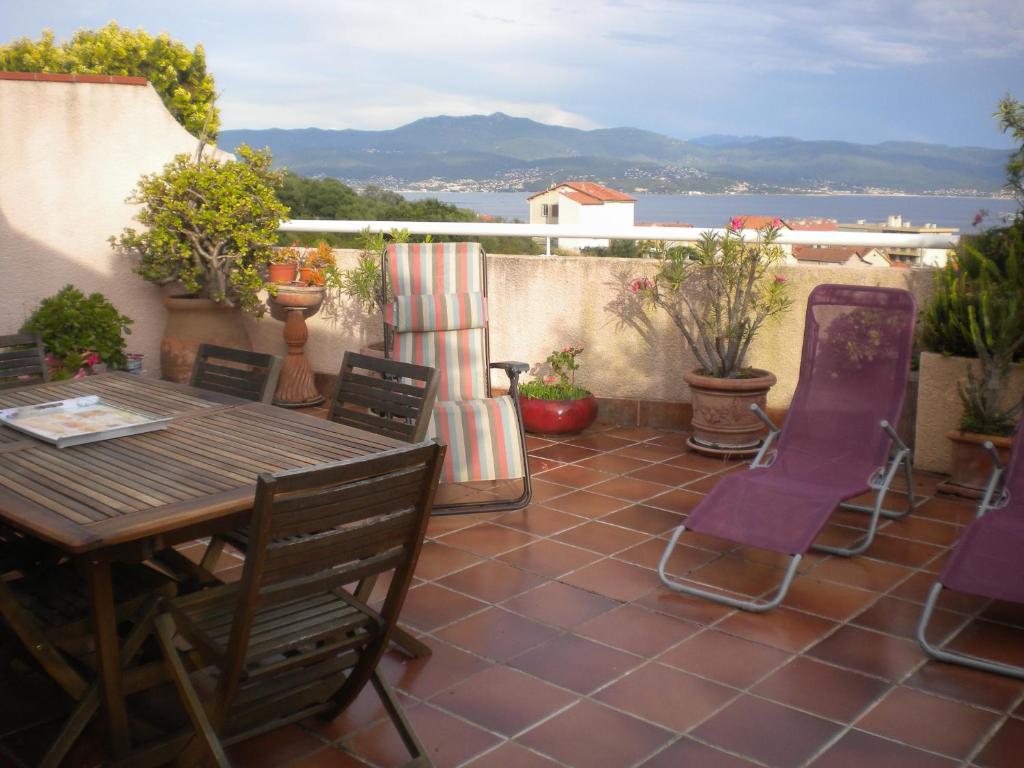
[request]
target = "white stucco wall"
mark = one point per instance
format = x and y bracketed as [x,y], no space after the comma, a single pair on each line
[70,153]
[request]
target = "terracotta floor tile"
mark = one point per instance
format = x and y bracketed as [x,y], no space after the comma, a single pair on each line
[634,434]
[991,641]
[695,609]
[590,735]
[1005,748]
[647,452]
[928,531]
[439,525]
[487,539]
[1004,613]
[682,561]
[687,752]
[549,558]
[539,464]
[913,554]
[430,606]
[274,748]
[705,464]
[512,755]
[917,587]
[857,749]
[873,653]
[559,605]
[562,452]
[575,663]
[828,691]
[438,559]
[539,520]
[328,758]
[928,722]
[503,700]
[599,536]
[613,463]
[586,504]
[599,442]
[947,510]
[983,689]
[738,575]
[665,474]
[900,617]
[829,599]
[614,579]
[629,488]
[781,628]
[543,491]
[497,634]
[666,696]
[862,572]
[704,484]
[536,442]
[366,709]
[645,519]
[771,733]
[448,740]
[678,501]
[637,630]
[724,658]
[492,580]
[424,677]
[574,476]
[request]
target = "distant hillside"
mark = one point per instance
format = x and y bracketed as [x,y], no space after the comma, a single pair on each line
[497,152]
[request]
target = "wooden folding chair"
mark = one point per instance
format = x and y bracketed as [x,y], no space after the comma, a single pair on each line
[288,641]
[238,372]
[22,360]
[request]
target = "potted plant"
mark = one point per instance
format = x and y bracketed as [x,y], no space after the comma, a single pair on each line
[555,405]
[976,317]
[79,333]
[315,262]
[210,228]
[719,293]
[284,264]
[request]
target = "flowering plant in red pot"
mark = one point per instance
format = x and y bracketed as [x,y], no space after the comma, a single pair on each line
[555,405]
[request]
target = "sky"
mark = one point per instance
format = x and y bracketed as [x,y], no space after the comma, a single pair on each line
[865,71]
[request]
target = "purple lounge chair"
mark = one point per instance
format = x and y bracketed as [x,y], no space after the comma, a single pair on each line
[837,441]
[987,560]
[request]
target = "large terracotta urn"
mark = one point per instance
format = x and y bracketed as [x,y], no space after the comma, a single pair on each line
[191,322]
[723,424]
[971,464]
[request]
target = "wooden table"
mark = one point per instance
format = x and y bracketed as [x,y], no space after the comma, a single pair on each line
[126,498]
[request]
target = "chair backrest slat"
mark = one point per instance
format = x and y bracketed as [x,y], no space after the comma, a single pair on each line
[22,360]
[383,396]
[315,530]
[236,372]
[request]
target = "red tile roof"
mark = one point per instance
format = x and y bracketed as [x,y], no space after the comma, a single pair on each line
[833,254]
[759,222]
[589,193]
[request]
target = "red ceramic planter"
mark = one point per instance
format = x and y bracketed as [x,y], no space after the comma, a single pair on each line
[558,417]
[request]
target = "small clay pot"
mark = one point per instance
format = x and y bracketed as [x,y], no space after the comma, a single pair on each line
[281,273]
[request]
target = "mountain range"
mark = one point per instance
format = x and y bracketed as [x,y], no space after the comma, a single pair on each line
[502,153]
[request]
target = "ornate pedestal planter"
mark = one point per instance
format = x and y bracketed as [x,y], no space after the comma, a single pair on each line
[723,424]
[558,417]
[293,304]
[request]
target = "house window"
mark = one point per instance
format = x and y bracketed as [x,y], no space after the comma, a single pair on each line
[544,210]
[554,210]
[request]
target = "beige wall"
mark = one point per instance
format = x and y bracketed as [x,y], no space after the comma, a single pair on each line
[70,153]
[541,303]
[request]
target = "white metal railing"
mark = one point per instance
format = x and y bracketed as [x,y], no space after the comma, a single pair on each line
[675,234]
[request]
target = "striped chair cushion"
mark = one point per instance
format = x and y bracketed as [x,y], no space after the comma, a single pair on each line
[417,268]
[459,356]
[437,312]
[483,440]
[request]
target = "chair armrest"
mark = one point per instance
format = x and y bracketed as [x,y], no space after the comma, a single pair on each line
[512,370]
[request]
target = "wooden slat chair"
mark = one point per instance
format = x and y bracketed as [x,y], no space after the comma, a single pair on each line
[288,641]
[382,396]
[22,360]
[238,372]
[438,316]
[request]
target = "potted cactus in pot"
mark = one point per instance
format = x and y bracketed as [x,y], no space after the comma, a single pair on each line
[555,405]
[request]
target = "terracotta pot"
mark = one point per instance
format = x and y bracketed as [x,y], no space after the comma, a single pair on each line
[970,463]
[722,421]
[558,417]
[191,322]
[281,273]
[311,276]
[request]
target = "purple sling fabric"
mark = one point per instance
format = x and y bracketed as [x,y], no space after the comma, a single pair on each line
[989,558]
[853,374]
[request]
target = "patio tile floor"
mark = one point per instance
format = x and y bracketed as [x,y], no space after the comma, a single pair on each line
[555,644]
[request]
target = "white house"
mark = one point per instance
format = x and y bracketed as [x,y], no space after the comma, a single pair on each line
[840,256]
[582,202]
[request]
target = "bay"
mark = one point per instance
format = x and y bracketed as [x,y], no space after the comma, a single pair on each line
[716,210]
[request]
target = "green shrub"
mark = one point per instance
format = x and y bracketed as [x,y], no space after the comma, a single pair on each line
[79,331]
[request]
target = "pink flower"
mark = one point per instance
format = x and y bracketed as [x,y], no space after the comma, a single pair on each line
[549,379]
[640,284]
[780,279]
[736,223]
[81,374]
[979,217]
[776,223]
[90,359]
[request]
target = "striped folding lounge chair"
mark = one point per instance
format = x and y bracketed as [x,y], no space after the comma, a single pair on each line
[437,317]
[836,444]
[987,560]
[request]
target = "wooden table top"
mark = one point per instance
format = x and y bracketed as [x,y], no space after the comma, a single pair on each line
[129,489]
